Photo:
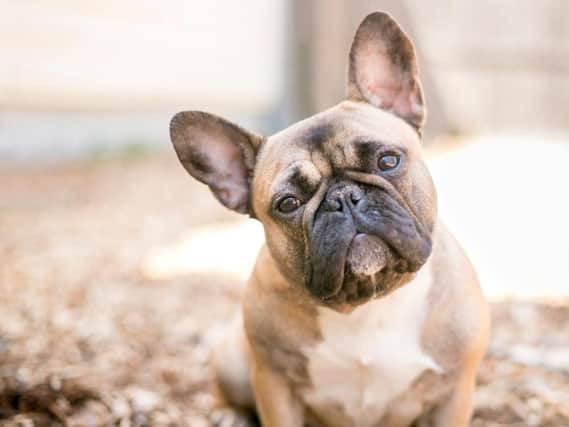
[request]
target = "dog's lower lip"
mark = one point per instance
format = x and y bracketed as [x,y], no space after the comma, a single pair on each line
[335,293]
[358,234]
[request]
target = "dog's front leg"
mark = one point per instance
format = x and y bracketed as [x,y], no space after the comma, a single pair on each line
[457,410]
[275,402]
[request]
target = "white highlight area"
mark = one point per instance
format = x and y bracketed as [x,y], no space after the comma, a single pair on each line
[506,199]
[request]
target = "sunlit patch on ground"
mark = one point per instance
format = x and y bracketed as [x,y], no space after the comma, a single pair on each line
[222,248]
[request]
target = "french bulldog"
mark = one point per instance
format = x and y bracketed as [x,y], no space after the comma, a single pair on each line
[362,309]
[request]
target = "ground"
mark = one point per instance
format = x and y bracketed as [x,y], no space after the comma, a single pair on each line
[87,338]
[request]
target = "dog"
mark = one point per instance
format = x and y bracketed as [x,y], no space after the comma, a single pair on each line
[362,309]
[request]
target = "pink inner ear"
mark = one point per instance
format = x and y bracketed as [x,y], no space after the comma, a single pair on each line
[227,174]
[232,195]
[384,84]
[383,68]
[377,82]
[217,153]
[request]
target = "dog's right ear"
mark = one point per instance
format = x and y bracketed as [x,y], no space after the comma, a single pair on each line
[383,69]
[217,153]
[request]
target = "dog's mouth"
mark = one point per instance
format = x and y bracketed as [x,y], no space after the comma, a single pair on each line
[367,255]
[363,252]
[372,269]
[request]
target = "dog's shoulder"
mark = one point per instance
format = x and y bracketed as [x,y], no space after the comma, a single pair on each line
[457,305]
[278,320]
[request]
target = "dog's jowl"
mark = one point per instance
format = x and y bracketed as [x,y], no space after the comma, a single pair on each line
[362,310]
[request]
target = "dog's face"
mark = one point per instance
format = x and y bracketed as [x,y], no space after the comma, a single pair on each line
[347,203]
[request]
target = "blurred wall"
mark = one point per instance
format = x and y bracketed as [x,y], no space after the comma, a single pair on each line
[79,77]
[499,65]
[141,54]
[486,66]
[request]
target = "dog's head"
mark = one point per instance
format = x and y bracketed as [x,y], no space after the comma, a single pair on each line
[347,203]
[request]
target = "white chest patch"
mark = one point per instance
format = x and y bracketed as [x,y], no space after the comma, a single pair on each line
[370,356]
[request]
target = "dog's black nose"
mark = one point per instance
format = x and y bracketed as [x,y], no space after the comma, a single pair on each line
[341,195]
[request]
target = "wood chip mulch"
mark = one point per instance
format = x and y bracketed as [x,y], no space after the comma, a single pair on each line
[87,340]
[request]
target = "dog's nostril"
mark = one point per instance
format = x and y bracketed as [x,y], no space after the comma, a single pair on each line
[334,205]
[355,197]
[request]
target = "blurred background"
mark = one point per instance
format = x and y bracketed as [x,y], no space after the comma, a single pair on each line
[118,271]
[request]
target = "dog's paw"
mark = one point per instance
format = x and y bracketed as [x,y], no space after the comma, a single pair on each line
[229,417]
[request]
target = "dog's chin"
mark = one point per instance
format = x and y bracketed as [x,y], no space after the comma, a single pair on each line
[372,270]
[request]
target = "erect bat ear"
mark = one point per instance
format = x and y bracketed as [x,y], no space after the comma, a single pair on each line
[217,153]
[383,69]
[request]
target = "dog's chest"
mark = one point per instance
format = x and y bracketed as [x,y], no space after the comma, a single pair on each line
[367,358]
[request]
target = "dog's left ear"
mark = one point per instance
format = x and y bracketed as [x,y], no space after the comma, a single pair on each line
[383,69]
[218,153]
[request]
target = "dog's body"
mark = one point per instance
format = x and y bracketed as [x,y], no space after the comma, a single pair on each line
[384,364]
[362,310]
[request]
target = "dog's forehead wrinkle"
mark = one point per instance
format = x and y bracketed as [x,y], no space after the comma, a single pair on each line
[300,175]
[366,149]
[317,135]
[302,179]
[322,163]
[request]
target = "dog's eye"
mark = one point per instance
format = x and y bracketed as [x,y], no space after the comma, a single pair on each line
[288,204]
[388,162]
